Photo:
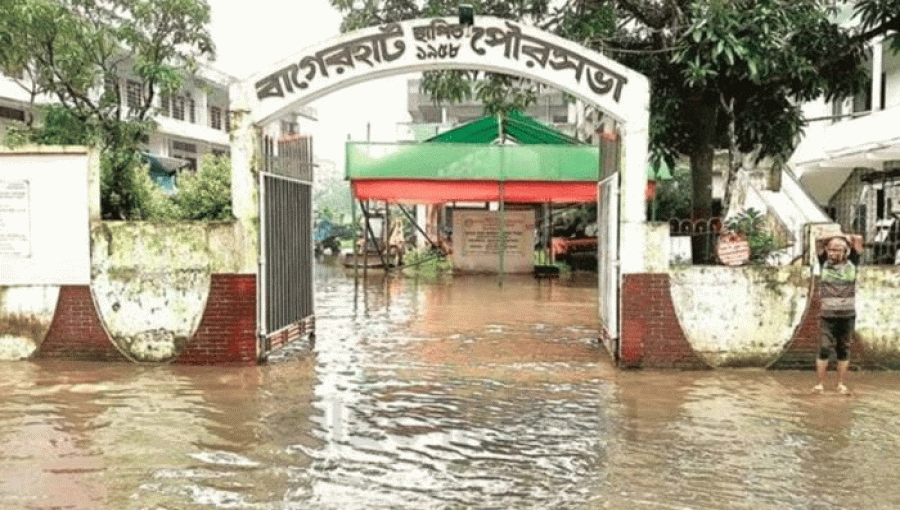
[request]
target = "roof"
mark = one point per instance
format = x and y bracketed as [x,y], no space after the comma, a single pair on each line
[519,127]
[467,163]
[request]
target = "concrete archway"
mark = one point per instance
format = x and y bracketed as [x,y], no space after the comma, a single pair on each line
[490,44]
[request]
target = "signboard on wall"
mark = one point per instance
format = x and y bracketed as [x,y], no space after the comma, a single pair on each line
[15,218]
[44,218]
[478,236]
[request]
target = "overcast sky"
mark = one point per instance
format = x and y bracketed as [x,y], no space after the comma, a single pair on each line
[250,36]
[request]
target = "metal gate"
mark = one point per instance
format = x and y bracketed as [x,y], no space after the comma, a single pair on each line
[608,274]
[286,242]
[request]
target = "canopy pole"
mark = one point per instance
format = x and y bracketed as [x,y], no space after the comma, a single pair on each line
[355,238]
[417,226]
[502,199]
[366,229]
[371,233]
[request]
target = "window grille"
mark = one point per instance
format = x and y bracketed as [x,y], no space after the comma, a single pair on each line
[215,117]
[192,110]
[165,101]
[134,91]
[178,107]
[12,113]
[866,204]
[184,146]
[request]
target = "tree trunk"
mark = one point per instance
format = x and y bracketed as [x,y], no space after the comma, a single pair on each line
[701,160]
[702,155]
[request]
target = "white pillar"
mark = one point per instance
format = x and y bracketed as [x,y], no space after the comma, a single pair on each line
[632,211]
[877,69]
[244,186]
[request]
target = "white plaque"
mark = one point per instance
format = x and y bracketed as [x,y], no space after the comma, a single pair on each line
[15,218]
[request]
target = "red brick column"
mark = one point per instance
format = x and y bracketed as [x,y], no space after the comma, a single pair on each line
[76,332]
[227,331]
[651,335]
[801,351]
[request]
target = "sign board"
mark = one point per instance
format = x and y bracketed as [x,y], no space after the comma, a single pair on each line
[478,236]
[732,249]
[44,218]
[15,218]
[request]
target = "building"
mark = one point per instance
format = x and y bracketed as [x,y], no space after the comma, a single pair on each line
[430,118]
[189,125]
[849,158]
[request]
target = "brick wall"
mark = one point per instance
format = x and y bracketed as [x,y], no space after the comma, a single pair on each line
[227,331]
[802,349]
[76,332]
[651,336]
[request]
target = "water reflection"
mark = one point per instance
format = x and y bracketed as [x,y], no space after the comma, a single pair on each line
[442,395]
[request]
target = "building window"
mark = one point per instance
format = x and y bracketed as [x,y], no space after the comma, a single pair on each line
[12,113]
[192,110]
[178,105]
[191,164]
[184,146]
[227,121]
[165,101]
[111,87]
[134,92]
[18,75]
[836,109]
[288,128]
[215,117]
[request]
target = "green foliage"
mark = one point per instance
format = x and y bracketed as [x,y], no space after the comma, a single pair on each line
[724,74]
[673,197]
[128,187]
[76,50]
[206,194]
[59,127]
[450,85]
[426,262]
[751,224]
[502,94]
[203,195]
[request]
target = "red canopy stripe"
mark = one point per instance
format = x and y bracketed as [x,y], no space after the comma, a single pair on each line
[420,191]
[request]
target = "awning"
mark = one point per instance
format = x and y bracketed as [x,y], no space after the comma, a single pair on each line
[424,191]
[521,128]
[163,170]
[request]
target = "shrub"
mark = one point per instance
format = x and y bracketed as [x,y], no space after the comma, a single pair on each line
[752,225]
[206,194]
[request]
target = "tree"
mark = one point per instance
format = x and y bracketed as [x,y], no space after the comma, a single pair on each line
[206,194]
[499,93]
[76,52]
[725,74]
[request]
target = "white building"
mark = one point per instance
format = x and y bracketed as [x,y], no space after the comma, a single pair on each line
[189,124]
[430,118]
[849,158]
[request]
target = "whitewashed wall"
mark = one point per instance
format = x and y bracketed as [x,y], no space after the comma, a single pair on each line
[44,230]
[739,316]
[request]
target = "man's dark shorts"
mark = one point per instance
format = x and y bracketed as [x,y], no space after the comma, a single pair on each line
[837,332]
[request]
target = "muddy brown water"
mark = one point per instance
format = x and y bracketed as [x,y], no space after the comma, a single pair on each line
[459,394]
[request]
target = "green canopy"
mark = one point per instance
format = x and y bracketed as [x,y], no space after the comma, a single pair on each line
[468,153]
[521,128]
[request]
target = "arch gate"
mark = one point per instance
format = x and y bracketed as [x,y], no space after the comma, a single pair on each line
[488,44]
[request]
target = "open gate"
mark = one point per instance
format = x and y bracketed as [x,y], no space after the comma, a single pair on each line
[286,243]
[608,267]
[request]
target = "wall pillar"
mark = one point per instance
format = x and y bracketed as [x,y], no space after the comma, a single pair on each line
[651,336]
[244,171]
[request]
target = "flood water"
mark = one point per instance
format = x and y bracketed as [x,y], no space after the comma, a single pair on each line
[460,394]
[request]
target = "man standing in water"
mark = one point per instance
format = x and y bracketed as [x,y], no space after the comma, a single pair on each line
[839,256]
